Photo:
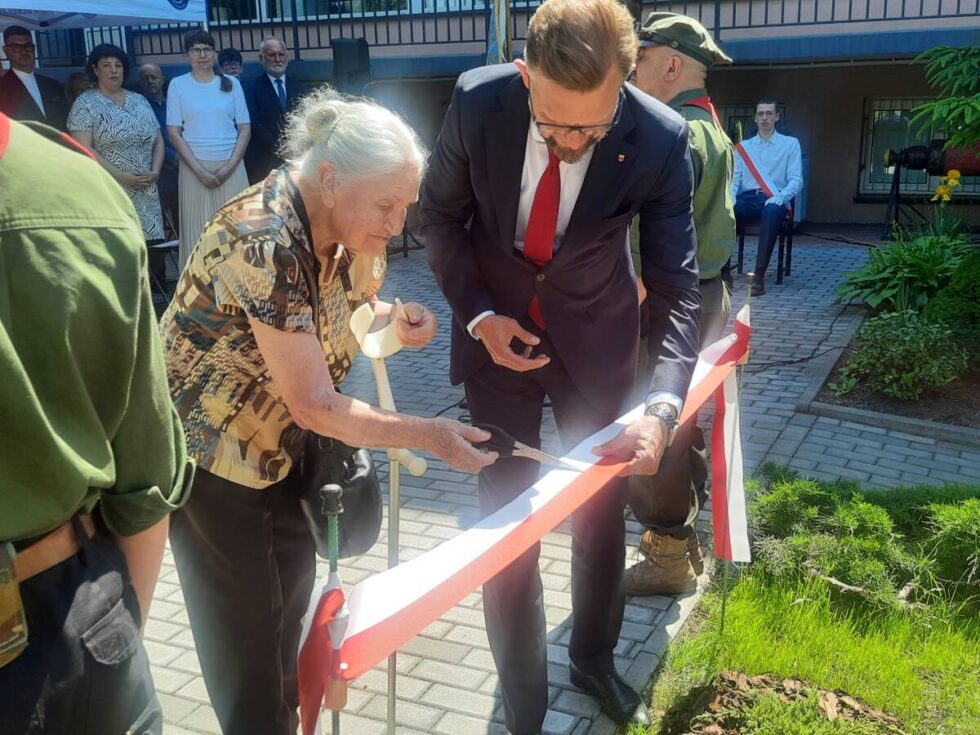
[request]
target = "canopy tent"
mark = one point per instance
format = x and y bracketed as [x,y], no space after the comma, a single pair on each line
[47,15]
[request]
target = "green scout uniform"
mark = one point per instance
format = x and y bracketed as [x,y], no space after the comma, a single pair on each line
[88,426]
[668,502]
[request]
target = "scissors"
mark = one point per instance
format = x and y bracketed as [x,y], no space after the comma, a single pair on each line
[507,446]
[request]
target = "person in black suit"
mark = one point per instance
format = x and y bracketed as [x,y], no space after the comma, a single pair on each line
[269,97]
[25,95]
[524,212]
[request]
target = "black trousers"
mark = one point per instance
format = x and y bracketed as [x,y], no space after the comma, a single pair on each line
[84,671]
[668,502]
[513,600]
[246,564]
[751,205]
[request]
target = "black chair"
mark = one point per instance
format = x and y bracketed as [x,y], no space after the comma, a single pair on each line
[784,253]
[169,250]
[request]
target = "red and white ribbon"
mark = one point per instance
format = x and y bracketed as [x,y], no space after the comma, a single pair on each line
[388,609]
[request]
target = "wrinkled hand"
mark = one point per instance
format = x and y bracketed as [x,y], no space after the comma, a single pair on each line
[452,442]
[496,333]
[416,326]
[774,200]
[644,441]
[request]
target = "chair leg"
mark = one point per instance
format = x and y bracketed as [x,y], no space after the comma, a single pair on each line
[789,253]
[741,253]
[779,260]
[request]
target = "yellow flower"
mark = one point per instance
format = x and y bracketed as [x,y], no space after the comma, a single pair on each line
[951,182]
[953,175]
[942,194]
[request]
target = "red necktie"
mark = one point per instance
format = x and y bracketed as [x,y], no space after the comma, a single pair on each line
[539,238]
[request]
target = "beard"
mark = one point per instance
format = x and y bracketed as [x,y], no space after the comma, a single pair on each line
[571,155]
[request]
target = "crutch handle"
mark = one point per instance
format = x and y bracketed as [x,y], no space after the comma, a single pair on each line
[415,465]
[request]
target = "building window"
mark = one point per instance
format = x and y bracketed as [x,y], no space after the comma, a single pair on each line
[886,127]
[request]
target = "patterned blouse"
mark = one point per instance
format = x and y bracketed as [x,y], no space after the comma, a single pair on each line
[254,258]
[124,136]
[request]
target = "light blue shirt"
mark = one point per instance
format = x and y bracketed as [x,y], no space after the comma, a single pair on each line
[779,159]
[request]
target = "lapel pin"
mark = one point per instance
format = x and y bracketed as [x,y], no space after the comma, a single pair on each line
[621,157]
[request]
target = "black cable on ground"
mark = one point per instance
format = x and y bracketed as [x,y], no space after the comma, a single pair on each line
[814,353]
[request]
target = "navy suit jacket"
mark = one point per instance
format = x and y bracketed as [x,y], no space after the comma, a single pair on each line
[588,297]
[16,102]
[267,119]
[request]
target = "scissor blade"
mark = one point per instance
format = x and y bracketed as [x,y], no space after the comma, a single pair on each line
[532,453]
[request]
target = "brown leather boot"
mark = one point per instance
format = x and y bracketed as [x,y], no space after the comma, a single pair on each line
[695,553]
[665,571]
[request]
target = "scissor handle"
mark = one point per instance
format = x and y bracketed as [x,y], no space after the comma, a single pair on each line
[500,441]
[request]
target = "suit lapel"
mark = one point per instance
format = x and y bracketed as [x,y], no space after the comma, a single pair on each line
[23,101]
[506,141]
[614,156]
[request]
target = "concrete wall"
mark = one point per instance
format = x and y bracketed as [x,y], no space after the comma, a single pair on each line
[825,110]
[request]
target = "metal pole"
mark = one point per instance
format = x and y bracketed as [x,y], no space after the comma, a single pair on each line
[394,503]
[332,499]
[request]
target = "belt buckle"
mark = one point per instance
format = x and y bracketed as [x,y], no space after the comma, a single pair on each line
[13,621]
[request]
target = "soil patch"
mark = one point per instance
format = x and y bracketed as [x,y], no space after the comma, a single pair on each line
[720,708]
[957,403]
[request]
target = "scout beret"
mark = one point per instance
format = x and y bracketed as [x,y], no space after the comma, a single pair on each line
[685,35]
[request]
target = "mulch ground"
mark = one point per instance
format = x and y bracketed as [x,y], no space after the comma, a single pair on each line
[714,709]
[957,403]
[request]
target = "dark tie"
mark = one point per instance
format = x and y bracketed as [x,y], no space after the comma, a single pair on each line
[539,238]
[281,91]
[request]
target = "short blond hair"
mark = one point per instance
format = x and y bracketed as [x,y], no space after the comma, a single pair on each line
[576,43]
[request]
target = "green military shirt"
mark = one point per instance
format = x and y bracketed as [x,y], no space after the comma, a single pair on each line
[85,414]
[712,157]
[714,210]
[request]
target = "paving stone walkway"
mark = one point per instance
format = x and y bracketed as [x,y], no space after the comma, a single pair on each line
[447,683]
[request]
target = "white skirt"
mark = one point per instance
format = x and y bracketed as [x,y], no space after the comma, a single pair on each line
[198,203]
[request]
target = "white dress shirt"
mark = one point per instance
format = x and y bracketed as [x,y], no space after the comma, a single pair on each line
[535,162]
[572,177]
[273,80]
[30,83]
[779,159]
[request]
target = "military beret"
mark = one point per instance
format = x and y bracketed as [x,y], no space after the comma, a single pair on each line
[685,35]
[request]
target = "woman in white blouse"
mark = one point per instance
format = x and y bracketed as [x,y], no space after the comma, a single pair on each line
[209,126]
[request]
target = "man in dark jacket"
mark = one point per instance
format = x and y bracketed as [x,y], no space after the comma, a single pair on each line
[538,170]
[269,97]
[25,95]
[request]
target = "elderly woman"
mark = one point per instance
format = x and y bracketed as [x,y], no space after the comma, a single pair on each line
[257,341]
[120,128]
[209,127]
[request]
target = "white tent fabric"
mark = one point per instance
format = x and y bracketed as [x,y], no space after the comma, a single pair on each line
[43,15]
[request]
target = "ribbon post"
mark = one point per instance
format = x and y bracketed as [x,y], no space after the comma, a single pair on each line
[378,345]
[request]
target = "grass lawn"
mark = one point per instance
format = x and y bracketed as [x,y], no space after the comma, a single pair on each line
[922,666]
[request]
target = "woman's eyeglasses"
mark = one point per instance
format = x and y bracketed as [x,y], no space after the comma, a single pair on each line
[201,53]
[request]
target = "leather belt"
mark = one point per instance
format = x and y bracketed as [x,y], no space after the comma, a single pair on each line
[50,550]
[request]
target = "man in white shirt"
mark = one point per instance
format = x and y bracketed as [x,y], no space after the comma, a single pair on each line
[537,173]
[25,95]
[269,97]
[768,175]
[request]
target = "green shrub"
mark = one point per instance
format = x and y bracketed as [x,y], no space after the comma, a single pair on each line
[910,508]
[956,540]
[906,274]
[958,305]
[902,355]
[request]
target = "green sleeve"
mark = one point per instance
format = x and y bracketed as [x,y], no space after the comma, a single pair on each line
[153,472]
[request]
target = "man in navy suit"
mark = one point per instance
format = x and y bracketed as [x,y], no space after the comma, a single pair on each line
[524,211]
[25,95]
[269,97]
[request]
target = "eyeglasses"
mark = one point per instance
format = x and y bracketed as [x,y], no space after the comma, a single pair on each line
[548,130]
[200,53]
[20,46]
[275,56]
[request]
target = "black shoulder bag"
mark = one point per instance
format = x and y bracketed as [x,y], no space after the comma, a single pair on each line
[329,463]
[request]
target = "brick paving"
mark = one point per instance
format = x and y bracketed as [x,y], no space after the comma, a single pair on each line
[447,683]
